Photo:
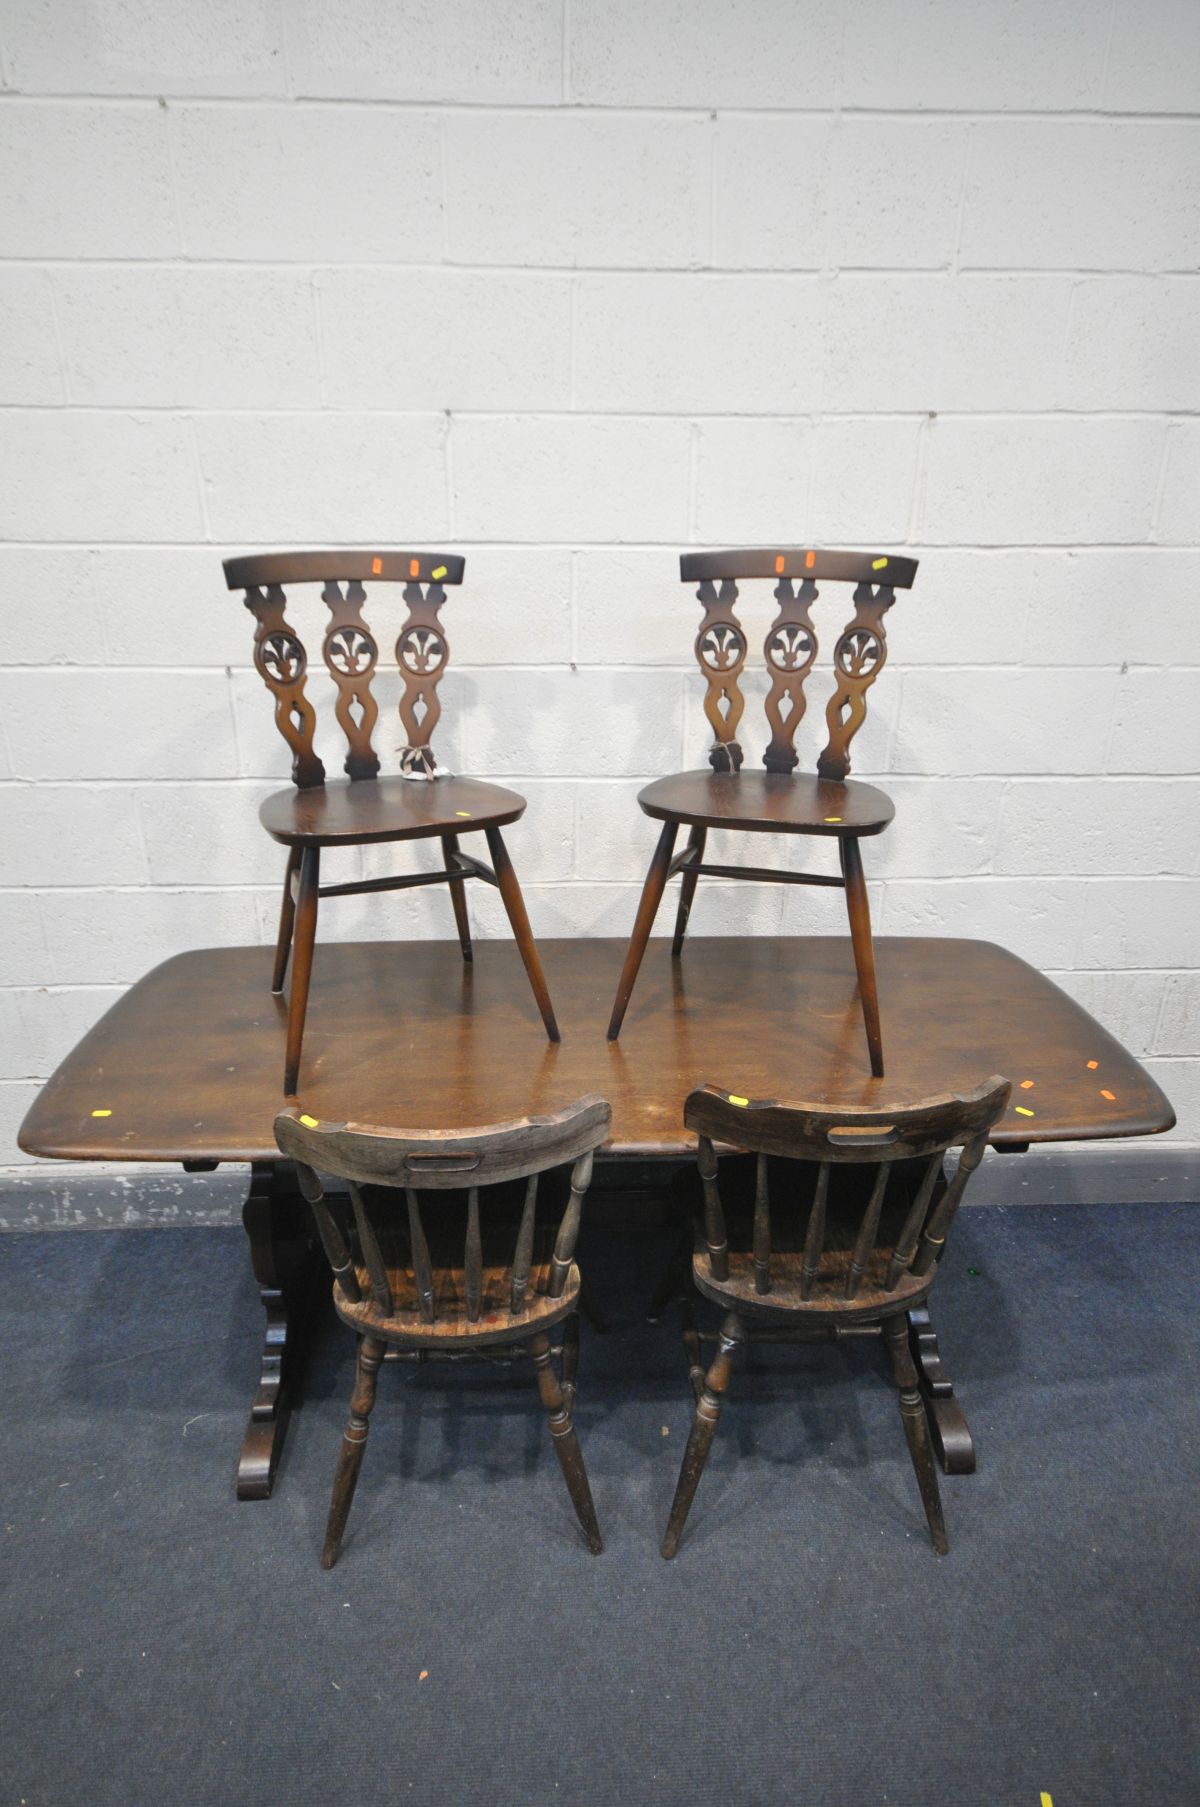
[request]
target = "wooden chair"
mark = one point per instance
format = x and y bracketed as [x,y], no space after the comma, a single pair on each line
[457,1280]
[776,801]
[824,1261]
[367,808]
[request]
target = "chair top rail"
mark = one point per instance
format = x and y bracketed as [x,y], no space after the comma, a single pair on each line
[814,1132]
[799,561]
[445,1159]
[339,566]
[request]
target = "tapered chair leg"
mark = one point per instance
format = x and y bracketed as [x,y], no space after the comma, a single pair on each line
[354,1440]
[916,1428]
[304,937]
[858,908]
[652,891]
[708,1410]
[566,1443]
[458,896]
[287,916]
[687,889]
[514,904]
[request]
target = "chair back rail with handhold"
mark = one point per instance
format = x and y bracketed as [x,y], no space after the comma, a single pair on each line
[730,799]
[821,1260]
[369,809]
[401,1278]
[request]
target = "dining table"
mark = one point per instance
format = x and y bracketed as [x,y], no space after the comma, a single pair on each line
[185,1068]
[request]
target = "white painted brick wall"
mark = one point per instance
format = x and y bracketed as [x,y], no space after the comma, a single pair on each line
[568,285]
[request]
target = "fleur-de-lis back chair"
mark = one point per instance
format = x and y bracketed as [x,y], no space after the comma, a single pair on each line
[366,808]
[777,800]
[811,1253]
[468,1271]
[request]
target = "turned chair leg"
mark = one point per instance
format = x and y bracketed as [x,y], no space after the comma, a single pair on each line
[570,1358]
[354,1441]
[566,1443]
[287,916]
[916,1428]
[652,891]
[687,889]
[514,904]
[458,896]
[858,909]
[708,1410]
[302,958]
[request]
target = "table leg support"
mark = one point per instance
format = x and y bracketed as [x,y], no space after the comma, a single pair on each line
[285,1261]
[952,1438]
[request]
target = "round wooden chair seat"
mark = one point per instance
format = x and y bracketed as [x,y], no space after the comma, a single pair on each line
[787,802]
[386,809]
[827,1303]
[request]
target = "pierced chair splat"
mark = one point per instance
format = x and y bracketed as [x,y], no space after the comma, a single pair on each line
[777,800]
[422,803]
[834,1228]
[441,1253]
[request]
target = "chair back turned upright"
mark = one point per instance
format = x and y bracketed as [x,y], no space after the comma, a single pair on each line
[442,1251]
[350,649]
[825,1248]
[791,645]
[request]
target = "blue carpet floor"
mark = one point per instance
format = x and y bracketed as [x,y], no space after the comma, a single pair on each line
[163,1643]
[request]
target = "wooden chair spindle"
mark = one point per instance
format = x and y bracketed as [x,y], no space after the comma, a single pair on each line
[523,1254]
[419,1248]
[762,1228]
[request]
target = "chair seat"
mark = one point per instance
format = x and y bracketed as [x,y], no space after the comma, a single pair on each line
[386,809]
[452,1329]
[827,1303]
[783,802]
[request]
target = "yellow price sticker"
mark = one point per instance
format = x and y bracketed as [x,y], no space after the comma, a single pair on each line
[735,1100]
[310,1122]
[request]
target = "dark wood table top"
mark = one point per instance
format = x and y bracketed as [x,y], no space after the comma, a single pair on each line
[187,1064]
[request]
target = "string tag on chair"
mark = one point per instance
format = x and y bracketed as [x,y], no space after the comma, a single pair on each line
[725,756]
[420,764]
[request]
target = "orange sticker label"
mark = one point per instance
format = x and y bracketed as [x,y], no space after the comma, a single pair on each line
[414,567]
[810,559]
[376,566]
[779,561]
[1111,1096]
[1092,1065]
[1027,1085]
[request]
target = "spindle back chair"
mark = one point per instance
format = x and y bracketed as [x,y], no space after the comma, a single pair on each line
[365,808]
[469,1273]
[777,800]
[824,1256]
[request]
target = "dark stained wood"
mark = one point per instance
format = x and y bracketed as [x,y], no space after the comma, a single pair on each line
[858,909]
[367,809]
[776,801]
[720,650]
[187,1061]
[514,909]
[858,659]
[338,565]
[304,938]
[798,561]
[652,890]
[826,1263]
[459,1283]
[768,803]
[789,650]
